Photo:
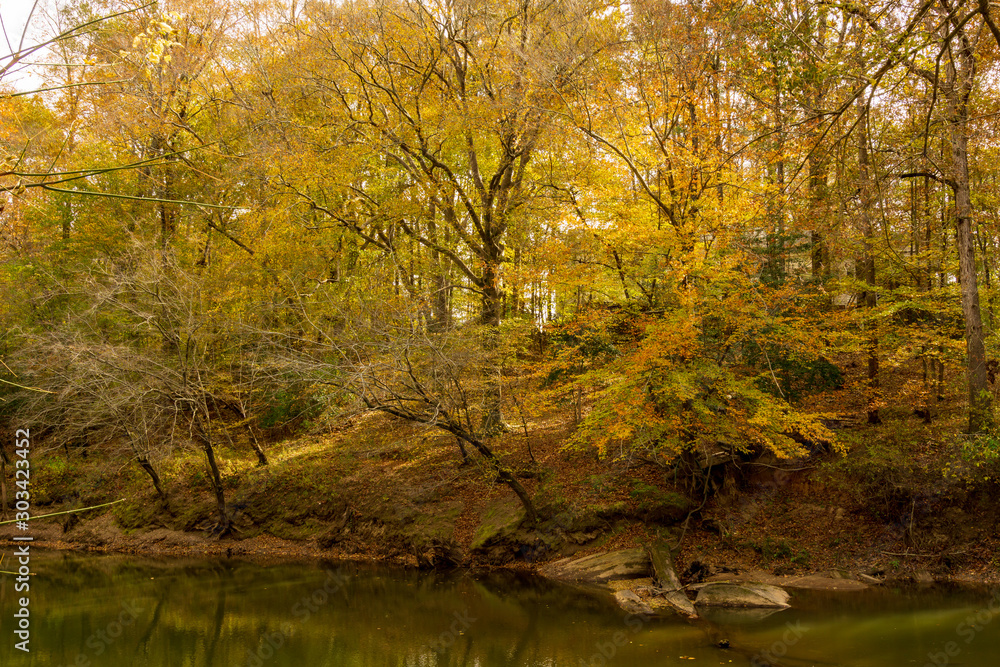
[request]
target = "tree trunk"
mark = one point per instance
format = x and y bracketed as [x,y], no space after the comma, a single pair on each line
[662,560]
[497,466]
[866,271]
[492,420]
[220,495]
[224,526]
[254,442]
[817,161]
[165,191]
[142,459]
[465,453]
[67,219]
[492,294]
[980,398]
[151,471]
[261,456]
[440,309]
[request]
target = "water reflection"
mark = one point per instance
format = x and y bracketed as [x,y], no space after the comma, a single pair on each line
[119,611]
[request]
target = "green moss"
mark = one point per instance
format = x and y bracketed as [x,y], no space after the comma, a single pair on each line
[657,505]
[302,530]
[435,525]
[499,517]
[610,510]
[54,477]
[781,550]
[133,515]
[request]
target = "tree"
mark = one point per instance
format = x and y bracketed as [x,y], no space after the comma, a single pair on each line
[437,111]
[135,362]
[953,36]
[444,106]
[15,178]
[382,354]
[865,269]
[658,111]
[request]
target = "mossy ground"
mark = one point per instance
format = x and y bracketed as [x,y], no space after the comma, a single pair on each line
[899,498]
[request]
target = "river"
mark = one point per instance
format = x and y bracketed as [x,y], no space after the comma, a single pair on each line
[118,611]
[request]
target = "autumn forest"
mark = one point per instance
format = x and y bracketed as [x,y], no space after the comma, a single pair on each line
[753,229]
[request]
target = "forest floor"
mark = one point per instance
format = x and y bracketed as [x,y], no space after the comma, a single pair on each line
[900,500]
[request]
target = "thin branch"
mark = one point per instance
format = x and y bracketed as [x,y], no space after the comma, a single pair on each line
[92,193]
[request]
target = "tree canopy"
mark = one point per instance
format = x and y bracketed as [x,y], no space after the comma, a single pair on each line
[688,219]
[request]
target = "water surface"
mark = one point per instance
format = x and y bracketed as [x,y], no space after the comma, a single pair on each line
[117,611]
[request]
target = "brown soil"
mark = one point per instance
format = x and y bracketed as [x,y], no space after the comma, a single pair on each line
[378,489]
